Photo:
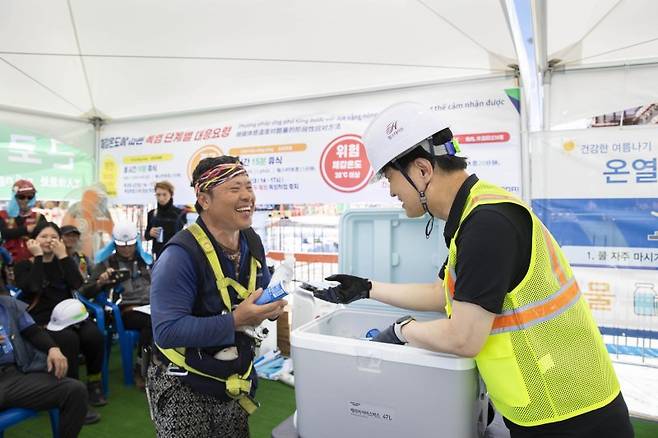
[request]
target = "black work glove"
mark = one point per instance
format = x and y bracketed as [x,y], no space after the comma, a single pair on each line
[351,288]
[388,336]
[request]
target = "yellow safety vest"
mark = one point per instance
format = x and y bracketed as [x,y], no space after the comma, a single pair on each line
[237,386]
[544,360]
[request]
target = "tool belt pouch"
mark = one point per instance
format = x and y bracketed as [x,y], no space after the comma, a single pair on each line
[203,360]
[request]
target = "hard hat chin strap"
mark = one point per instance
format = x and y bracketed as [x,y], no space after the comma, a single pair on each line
[423,199]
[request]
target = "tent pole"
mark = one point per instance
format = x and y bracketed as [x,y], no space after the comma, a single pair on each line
[97,123]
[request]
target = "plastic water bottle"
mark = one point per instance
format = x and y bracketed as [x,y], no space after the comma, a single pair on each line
[281,282]
[160,237]
[372,333]
[5,345]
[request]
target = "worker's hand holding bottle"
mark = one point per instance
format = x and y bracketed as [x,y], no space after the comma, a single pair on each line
[248,313]
[388,336]
[351,288]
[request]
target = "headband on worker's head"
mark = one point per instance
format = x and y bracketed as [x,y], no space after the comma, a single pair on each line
[218,175]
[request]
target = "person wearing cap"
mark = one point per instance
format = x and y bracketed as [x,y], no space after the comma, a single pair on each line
[71,239]
[19,220]
[165,220]
[47,279]
[33,370]
[510,296]
[125,254]
[201,381]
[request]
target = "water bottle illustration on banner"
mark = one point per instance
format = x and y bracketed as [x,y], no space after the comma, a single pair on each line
[281,282]
[645,299]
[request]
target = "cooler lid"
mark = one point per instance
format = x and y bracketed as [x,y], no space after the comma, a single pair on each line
[385,245]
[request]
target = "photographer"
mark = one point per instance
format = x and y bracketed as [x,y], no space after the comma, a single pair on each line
[124,266]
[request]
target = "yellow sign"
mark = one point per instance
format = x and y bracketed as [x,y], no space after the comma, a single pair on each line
[109,175]
[134,159]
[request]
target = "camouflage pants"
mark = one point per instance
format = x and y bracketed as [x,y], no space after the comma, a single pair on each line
[180,412]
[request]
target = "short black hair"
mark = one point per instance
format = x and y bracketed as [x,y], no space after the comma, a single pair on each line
[42,226]
[448,163]
[209,163]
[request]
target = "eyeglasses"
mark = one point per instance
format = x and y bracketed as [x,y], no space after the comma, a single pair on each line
[24,197]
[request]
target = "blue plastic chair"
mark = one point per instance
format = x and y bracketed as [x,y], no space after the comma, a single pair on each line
[128,339]
[98,312]
[12,416]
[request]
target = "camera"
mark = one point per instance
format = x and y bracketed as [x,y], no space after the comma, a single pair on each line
[119,276]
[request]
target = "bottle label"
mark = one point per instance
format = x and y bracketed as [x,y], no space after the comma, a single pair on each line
[272,293]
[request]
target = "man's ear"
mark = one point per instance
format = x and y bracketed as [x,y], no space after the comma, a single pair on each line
[204,200]
[425,168]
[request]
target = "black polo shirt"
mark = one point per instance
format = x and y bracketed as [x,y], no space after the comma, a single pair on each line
[493,249]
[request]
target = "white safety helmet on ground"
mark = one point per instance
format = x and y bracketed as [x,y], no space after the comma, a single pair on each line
[66,313]
[124,233]
[400,128]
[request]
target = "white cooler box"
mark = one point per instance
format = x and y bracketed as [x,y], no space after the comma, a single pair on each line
[346,386]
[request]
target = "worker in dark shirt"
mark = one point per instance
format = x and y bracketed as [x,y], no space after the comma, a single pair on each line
[165,220]
[511,298]
[33,370]
[201,381]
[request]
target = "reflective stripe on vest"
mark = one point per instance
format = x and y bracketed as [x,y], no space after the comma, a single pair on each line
[526,316]
[237,386]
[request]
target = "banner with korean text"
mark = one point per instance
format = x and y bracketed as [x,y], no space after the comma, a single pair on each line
[313,155]
[597,192]
[59,171]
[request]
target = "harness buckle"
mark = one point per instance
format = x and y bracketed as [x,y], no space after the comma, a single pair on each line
[175,370]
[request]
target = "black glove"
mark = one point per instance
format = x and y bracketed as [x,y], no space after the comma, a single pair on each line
[393,333]
[350,289]
[388,336]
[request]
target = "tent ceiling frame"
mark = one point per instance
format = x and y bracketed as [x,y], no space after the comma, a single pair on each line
[33,112]
[238,59]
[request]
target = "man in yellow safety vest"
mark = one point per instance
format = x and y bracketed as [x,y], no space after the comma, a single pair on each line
[512,301]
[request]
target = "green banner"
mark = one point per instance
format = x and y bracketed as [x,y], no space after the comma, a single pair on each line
[59,171]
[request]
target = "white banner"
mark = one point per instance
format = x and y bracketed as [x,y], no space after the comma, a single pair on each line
[618,299]
[595,163]
[597,192]
[309,158]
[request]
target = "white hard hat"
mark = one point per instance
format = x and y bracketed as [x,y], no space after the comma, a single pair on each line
[124,233]
[66,313]
[398,129]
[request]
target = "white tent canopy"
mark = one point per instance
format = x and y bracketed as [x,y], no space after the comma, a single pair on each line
[123,59]
[605,57]
[126,60]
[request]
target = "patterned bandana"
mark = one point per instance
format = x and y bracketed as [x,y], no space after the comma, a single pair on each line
[218,175]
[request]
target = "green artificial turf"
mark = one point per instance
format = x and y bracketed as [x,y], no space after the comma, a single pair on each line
[126,415]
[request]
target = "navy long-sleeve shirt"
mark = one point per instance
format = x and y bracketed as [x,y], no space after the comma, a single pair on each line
[173,294]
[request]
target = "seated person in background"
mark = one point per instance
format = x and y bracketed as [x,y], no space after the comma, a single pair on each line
[48,278]
[19,220]
[124,266]
[36,379]
[71,239]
